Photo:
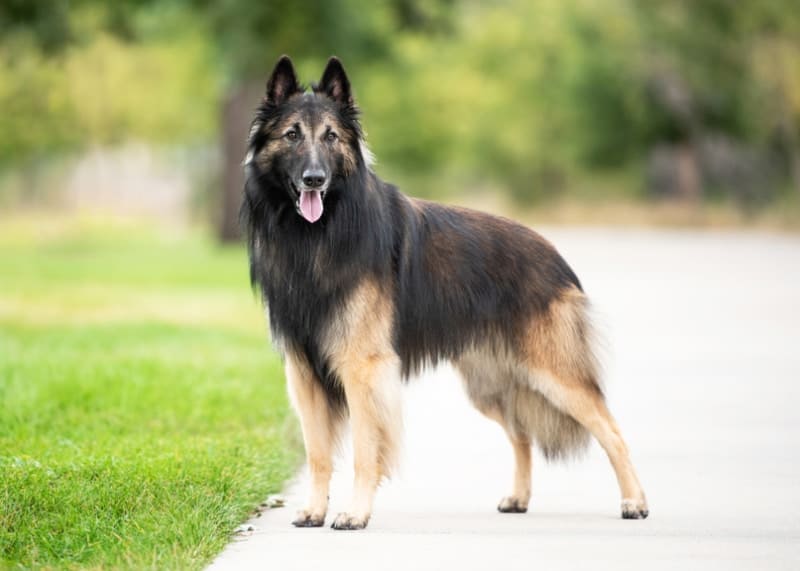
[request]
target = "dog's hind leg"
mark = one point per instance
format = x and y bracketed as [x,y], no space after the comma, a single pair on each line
[321,422]
[517,502]
[490,389]
[587,405]
[520,496]
[563,369]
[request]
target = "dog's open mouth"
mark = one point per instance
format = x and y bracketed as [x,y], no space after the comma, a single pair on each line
[310,204]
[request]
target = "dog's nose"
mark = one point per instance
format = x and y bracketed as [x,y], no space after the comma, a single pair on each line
[313,178]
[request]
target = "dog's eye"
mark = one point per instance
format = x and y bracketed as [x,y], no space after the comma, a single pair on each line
[331,137]
[291,135]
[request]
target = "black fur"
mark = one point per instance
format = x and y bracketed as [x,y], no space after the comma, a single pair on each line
[457,277]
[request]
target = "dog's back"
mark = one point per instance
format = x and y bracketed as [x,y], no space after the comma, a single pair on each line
[497,300]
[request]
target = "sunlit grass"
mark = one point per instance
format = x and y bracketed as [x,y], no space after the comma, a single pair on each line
[142,412]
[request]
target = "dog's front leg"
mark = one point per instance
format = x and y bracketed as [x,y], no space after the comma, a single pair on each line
[372,389]
[320,420]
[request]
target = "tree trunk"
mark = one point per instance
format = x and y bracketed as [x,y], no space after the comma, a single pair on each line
[688,173]
[237,113]
[791,143]
[795,169]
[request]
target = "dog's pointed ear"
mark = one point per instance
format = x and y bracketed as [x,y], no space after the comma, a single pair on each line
[283,82]
[334,83]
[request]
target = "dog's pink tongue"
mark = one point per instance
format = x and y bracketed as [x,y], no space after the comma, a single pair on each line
[311,205]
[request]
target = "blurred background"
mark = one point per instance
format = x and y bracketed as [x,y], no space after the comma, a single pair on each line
[667,111]
[142,416]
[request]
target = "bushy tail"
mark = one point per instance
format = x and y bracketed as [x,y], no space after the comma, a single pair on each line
[564,364]
[557,435]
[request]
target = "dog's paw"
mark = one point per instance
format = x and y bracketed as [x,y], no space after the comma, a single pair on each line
[512,505]
[306,519]
[634,509]
[346,521]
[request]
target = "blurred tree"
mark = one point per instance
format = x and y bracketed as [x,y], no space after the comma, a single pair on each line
[726,68]
[249,35]
[46,22]
[104,73]
[253,33]
[51,26]
[773,28]
[533,98]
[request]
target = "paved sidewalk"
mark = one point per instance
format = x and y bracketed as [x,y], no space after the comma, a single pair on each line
[703,376]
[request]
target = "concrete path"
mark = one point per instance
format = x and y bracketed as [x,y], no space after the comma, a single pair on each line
[703,375]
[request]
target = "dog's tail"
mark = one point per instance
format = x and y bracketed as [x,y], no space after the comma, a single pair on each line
[535,389]
[557,435]
[564,371]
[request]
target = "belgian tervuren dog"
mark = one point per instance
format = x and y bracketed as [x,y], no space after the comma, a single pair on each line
[365,286]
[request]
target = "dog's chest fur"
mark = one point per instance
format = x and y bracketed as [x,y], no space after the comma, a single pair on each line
[317,287]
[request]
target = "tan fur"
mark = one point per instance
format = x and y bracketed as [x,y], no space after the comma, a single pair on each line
[321,427]
[588,407]
[348,156]
[360,351]
[521,490]
[549,393]
[312,133]
[522,472]
[545,393]
[565,370]
[269,150]
[495,379]
[561,341]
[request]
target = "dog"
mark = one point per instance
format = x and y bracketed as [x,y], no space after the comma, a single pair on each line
[364,287]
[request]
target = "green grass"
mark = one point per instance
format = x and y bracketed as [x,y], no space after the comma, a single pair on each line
[142,413]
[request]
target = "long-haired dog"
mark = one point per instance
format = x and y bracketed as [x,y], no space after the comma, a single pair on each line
[365,286]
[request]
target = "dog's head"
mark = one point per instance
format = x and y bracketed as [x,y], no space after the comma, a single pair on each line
[304,144]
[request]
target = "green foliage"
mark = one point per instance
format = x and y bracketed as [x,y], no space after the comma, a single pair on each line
[102,89]
[252,34]
[719,50]
[524,96]
[42,22]
[524,101]
[142,414]
[171,84]
[37,115]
